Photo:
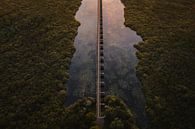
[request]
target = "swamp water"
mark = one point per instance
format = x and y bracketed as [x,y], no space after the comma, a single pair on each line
[119,54]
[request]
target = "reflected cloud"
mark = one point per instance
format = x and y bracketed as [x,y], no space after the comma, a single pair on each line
[120,59]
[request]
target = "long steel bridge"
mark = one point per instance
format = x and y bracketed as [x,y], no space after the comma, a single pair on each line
[100,85]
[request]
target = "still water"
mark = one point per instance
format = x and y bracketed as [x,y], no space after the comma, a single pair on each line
[120,58]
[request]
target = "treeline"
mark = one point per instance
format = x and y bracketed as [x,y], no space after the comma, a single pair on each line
[81,115]
[167,59]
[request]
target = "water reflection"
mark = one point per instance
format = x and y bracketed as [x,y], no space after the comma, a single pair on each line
[120,59]
[82,69]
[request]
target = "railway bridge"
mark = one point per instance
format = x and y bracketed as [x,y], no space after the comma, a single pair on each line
[100,84]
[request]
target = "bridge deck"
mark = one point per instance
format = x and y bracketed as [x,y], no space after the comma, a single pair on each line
[100,65]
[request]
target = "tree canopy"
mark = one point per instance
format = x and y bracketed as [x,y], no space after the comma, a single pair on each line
[166,59]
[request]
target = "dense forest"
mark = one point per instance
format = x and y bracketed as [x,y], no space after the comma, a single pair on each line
[36,41]
[167,59]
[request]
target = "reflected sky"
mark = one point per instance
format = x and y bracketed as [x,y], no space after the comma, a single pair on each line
[82,69]
[120,59]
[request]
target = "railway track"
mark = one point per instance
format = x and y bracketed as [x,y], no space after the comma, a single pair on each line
[100,85]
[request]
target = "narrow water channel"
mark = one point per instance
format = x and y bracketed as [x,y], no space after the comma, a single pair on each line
[120,58]
[83,66]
